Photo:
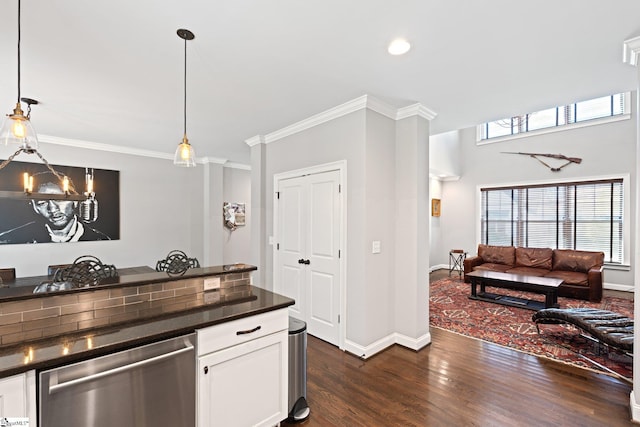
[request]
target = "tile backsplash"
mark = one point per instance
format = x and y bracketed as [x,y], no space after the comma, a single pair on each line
[58,314]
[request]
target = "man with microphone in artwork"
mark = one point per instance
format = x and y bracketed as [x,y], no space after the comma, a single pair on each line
[58,221]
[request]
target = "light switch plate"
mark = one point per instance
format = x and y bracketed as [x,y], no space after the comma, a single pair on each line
[211,283]
[375,247]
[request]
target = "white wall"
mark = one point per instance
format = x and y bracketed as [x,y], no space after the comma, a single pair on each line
[606,150]
[444,155]
[339,139]
[369,142]
[436,258]
[162,207]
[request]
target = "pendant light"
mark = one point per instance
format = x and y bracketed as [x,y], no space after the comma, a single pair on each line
[185,156]
[17,127]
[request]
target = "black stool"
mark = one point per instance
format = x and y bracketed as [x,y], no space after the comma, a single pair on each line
[456,261]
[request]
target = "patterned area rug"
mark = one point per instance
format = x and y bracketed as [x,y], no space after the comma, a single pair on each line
[451,309]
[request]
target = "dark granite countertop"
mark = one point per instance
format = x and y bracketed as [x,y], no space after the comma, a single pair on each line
[80,345]
[23,287]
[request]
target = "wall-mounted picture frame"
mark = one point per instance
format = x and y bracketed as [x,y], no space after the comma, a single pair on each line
[233,215]
[435,207]
[59,221]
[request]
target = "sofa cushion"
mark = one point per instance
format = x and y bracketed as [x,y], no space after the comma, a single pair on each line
[505,255]
[580,261]
[528,271]
[570,277]
[534,257]
[488,266]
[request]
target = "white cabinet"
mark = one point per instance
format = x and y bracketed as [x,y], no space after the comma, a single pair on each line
[18,397]
[243,371]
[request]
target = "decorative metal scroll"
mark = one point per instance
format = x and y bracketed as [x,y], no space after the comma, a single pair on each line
[176,262]
[86,270]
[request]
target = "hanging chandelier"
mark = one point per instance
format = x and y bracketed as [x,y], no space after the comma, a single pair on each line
[17,130]
[185,155]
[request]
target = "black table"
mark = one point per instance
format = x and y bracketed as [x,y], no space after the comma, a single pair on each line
[541,285]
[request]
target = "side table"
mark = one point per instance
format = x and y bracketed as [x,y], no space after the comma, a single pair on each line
[456,261]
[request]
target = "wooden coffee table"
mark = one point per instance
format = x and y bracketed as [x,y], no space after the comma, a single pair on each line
[540,285]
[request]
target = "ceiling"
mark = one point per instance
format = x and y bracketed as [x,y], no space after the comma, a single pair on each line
[112,72]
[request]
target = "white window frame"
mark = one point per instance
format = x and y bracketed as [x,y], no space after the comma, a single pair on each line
[626,115]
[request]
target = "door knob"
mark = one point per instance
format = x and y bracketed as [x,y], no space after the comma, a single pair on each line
[301,261]
[307,262]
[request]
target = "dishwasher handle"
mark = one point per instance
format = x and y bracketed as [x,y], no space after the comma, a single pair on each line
[57,387]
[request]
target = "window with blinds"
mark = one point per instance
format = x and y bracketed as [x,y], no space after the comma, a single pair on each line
[581,215]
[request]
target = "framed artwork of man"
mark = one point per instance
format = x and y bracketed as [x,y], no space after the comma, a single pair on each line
[59,221]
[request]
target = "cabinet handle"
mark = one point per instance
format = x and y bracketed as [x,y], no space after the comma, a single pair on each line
[249,331]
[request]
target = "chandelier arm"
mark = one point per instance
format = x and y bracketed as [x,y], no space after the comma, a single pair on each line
[6,162]
[58,175]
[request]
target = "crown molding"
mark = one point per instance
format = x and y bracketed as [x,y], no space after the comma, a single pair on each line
[213,160]
[118,149]
[258,139]
[233,165]
[362,102]
[77,143]
[374,104]
[631,51]
[415,110]
[318,119]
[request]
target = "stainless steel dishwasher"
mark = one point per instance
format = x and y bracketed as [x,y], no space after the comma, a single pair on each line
[151,385]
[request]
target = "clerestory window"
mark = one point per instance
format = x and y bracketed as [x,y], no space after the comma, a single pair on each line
[591,111]
[579,215]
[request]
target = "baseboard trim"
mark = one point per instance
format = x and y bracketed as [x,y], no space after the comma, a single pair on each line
[618,287]
[635,408]
[413,343]
[438,267]
[364,352]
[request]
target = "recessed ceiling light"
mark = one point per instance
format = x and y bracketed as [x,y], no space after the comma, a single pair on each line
[399,47]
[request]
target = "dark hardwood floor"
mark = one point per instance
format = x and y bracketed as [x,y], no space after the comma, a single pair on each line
[457,381]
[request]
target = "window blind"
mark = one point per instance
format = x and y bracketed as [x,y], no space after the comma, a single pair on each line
[579,215]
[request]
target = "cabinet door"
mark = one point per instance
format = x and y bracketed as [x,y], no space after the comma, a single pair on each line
[17,397]
[244,385]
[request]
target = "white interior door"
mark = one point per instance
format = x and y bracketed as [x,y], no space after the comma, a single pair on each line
[309,250]
[290,246]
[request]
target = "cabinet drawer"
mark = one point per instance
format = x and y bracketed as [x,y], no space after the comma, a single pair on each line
[225,335]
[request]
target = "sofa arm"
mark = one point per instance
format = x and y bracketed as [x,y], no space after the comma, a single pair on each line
[469,264]
[595,283]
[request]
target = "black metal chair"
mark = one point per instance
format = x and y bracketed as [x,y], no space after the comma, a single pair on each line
[176,262]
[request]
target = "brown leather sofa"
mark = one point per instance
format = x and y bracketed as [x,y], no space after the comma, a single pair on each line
[581,270]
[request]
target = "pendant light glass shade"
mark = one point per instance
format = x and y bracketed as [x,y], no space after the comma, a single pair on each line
[185,155]
[17,129]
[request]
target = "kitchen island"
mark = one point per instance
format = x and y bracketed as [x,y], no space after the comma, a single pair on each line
[47,331]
